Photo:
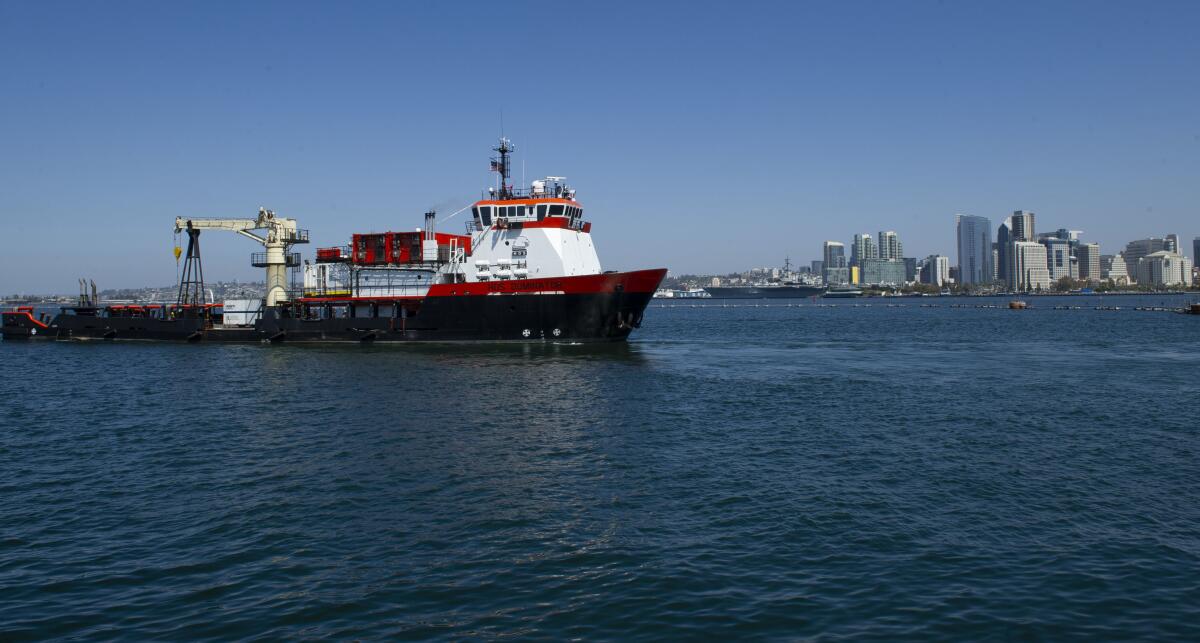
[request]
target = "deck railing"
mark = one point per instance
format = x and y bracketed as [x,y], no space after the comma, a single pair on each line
[259,259]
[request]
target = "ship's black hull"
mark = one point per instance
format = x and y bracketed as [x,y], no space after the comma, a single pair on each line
[518,317]
[767,292]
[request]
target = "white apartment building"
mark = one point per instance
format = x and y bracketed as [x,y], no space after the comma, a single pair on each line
[1029,269]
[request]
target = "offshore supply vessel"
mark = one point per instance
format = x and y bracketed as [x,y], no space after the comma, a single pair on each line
[525,270]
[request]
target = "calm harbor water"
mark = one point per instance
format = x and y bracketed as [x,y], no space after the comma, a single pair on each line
[772,472]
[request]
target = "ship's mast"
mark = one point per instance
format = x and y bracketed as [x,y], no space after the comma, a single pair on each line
[505,148]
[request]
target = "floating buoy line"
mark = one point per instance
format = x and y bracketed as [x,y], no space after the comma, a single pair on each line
[1190,308]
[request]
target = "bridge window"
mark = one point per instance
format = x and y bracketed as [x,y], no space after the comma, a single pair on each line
[485,215]
[556,210]
[541,212]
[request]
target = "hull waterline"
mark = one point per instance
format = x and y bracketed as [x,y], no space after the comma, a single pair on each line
[595,308]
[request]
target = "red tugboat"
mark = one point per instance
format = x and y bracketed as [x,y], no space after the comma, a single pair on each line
[526,270]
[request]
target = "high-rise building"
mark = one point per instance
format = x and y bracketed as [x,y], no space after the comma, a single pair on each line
[1022,228]
[910,269]
[836,272]
[1113,267]
[862,248]
[1004,250]
[882,272]
[974,249]
[818,267]
[1058,257]
[1195,251]
[995,261]
[1089,261]
[1172,244]
[1018,227]
[1135,250]
[1164,268]
[890,247]
[1028,271]
[937,270]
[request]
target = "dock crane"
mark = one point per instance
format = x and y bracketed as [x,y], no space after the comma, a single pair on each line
[276,234]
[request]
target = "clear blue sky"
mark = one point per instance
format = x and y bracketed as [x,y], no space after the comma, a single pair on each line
[704,137]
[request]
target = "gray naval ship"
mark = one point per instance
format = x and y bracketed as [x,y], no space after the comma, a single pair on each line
[766,291]
[789,285]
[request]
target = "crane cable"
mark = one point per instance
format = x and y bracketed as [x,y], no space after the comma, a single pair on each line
[464,209]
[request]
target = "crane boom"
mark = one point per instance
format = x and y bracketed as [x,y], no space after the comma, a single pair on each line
[280,234]
[240,226]
[218,224]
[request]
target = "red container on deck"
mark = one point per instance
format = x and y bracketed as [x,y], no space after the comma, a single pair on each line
[396,247]
[330,254]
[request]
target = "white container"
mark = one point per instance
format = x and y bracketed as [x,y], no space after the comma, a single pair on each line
[242,312]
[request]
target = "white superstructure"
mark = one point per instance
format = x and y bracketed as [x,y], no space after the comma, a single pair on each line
[514,235]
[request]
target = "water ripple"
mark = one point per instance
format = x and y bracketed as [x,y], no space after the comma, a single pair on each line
[771,473]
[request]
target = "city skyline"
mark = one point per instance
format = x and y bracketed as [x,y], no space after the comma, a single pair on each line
[1024,228]
[1021,259]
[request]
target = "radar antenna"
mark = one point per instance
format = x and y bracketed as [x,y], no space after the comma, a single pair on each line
[502,166]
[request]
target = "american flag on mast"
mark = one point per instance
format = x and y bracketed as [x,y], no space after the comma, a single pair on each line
[495,165]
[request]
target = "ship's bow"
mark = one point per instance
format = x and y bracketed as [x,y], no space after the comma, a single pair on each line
[586,308]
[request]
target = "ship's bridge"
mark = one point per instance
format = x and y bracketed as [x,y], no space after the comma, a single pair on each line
[554,205]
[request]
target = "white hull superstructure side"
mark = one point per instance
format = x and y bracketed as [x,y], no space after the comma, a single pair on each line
[384,282]
[540,250]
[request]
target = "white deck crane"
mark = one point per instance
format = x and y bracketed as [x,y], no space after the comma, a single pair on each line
[280,235]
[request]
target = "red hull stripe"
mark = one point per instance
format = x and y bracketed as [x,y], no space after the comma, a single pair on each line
[640,281]
[548,222]
[341,300]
